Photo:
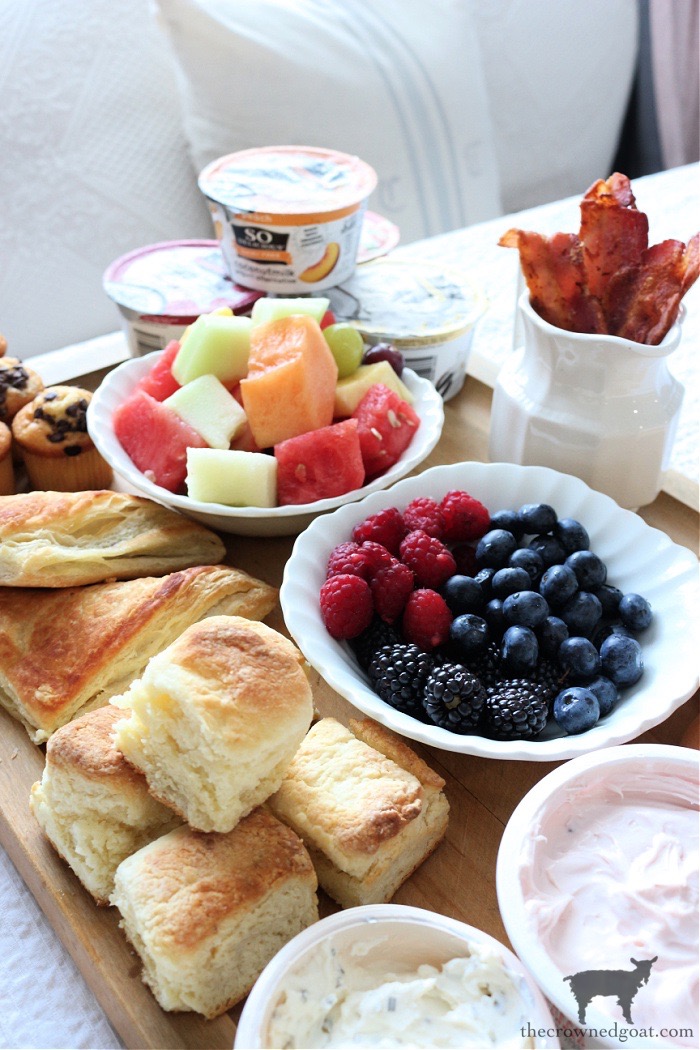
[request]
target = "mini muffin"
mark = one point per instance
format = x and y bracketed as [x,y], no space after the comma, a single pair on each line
[18,386]
[57,451]
[7,472]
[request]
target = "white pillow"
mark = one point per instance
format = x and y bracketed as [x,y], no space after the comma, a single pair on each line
[93,162]
[399,83]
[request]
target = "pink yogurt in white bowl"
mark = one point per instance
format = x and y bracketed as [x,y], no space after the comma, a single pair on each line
[597,882]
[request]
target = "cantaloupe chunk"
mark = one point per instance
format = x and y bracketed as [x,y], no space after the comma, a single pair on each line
[350,391]
[292,375]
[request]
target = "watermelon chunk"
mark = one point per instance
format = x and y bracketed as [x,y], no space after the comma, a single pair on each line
[159,382]
[319,464]
[386,425]
[155,439]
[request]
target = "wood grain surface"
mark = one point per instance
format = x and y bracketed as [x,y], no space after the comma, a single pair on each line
[458,880]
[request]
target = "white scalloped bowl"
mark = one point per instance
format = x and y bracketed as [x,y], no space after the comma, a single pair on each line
[249,521]
[638,558]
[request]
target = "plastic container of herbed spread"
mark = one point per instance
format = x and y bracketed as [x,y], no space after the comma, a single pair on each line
[160,289]
[288,218]
[427,311]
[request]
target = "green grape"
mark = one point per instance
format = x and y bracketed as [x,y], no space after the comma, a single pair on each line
[346,345]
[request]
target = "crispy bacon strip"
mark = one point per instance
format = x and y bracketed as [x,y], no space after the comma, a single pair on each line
[554,274]
[613,233]
[642,301]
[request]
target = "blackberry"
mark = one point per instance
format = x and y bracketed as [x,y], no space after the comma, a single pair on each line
[398,674]
[454,698]
[550,679]
[372,639]
[486,665]
[515,709]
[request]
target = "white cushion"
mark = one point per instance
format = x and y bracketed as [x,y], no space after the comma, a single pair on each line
[93,162]
[559,75]
[397,82]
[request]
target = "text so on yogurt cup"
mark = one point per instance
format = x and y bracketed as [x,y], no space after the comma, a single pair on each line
[425,310]
[288,218]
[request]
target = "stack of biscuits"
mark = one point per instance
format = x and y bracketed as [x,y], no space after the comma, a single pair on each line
[184,781]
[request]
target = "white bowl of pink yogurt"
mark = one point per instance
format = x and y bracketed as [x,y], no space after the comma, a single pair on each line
[597,881]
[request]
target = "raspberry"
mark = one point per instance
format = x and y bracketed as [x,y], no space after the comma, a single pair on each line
[426,619]
[424,513]
[428,557]
[387,527]
[390,588]
[376,556]
[346,605]
[348,558]
[465,518]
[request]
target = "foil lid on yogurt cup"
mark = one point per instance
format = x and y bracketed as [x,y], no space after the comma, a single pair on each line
[288,181]
[175,280]
[407,300]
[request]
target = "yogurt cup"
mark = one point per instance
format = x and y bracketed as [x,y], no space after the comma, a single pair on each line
[160,289]
[288,218]
[427,311]
[597,887]
[370,942]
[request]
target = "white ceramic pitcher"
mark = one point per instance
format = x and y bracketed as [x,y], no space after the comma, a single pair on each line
[601,408]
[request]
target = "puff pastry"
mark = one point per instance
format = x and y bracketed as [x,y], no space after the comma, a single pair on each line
[68,651]
[64,539]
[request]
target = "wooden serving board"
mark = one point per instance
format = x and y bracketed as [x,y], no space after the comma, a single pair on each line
[457,880]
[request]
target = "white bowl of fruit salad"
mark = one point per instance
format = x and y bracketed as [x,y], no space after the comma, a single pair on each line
[255,425]
[522,616]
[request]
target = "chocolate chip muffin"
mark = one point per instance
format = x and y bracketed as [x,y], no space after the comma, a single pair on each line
[18,386]
[51,435]
[7,472]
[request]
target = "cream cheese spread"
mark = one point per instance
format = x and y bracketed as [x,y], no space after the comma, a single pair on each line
[343,1001]
[610,875]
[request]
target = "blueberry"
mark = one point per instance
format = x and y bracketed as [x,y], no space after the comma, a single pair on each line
[558,584]
[525,608]
[495,548]
[580,656]
[508,520]
[609,598]
[635,612]
[572,535]
[621,660]
[484,577]
[531,561]
[537,518]
[508,581]
[552,633]
[549,549]
[606,692]
[590,570]
[581,613]
[604,630]
[462,595]
[493,614]
[519,650]
[576,709]
[468,635]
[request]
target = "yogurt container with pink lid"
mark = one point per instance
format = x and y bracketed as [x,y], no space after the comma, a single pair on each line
[162,288]
[429,312]
[288,218]
[597,881]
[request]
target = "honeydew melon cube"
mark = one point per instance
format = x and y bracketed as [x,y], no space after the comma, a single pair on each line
[236,479]
[350,391]
[214,344]
[224,311]
[210,409]
[272,309]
